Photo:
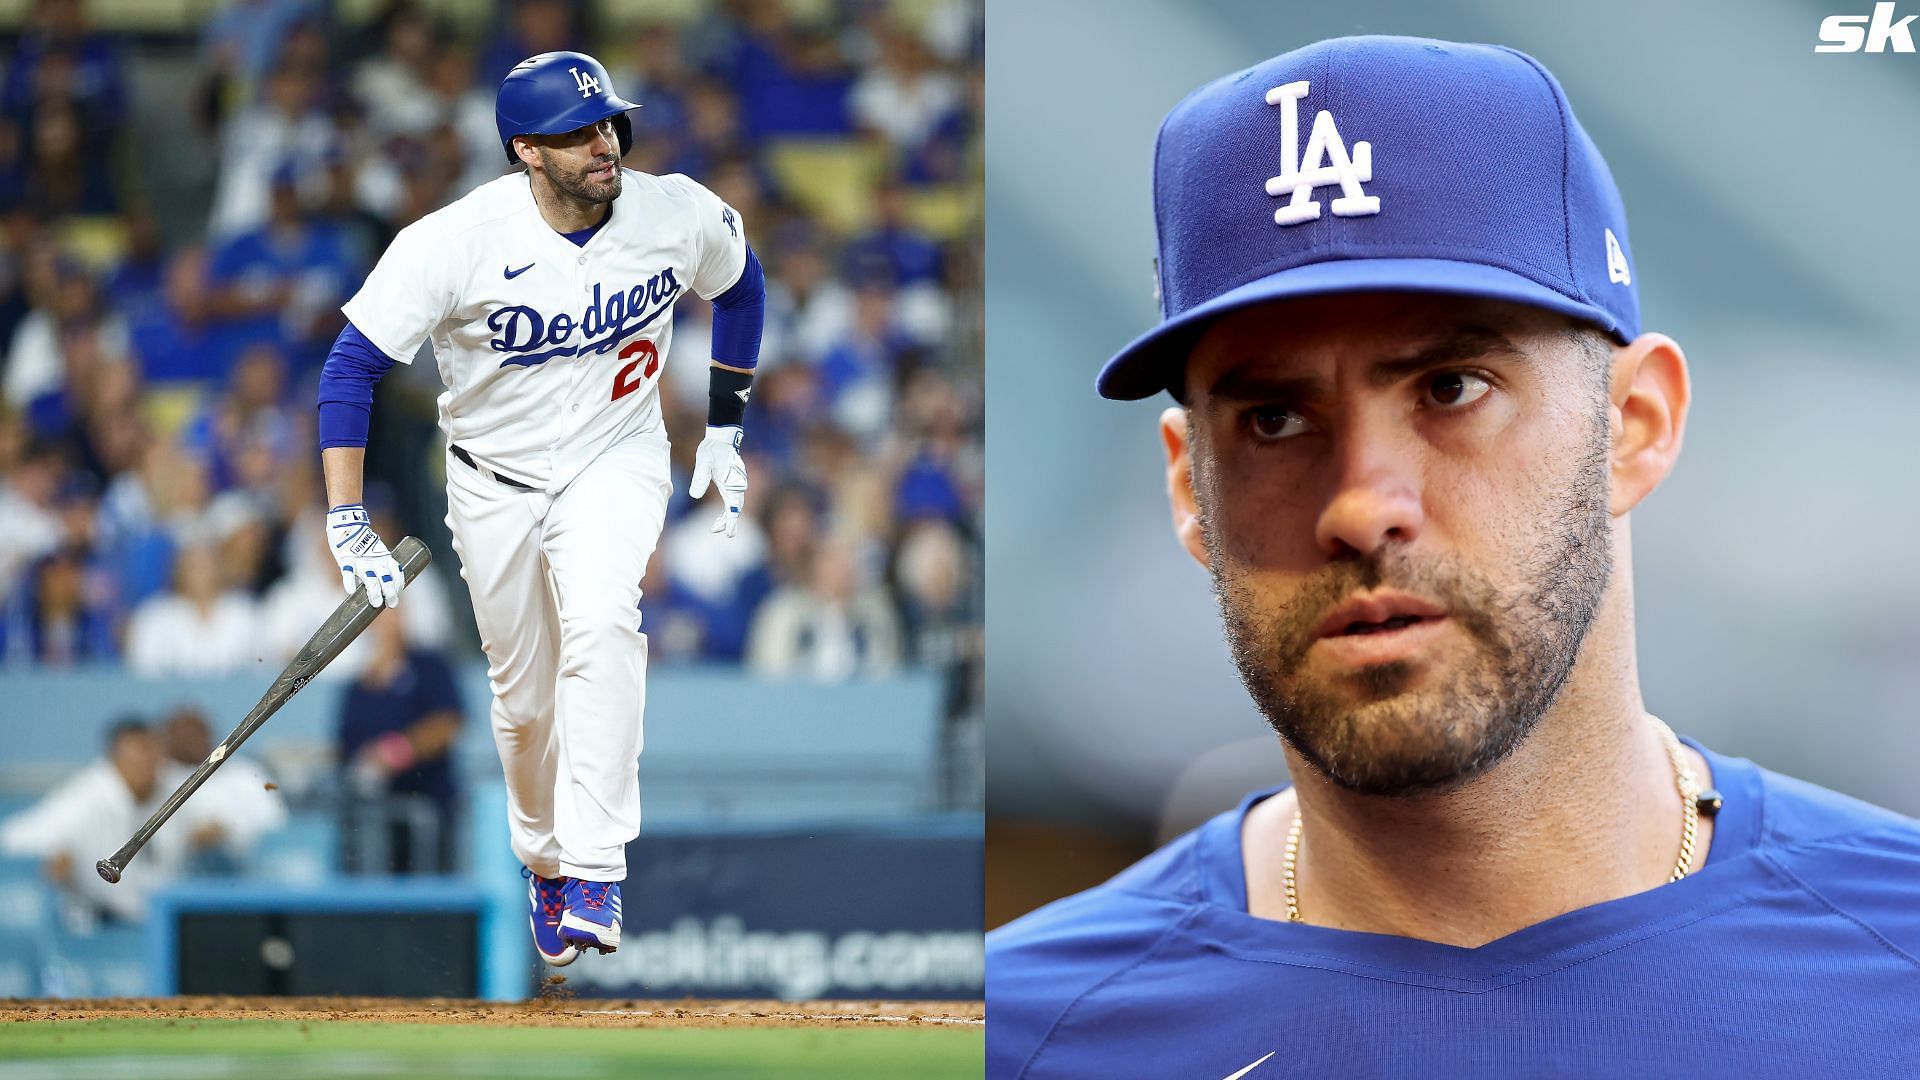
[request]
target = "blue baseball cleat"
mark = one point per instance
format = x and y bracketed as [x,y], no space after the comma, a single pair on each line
[546,901]
[592,920]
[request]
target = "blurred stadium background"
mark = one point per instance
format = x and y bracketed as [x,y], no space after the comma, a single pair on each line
[188,191]
[1774,588]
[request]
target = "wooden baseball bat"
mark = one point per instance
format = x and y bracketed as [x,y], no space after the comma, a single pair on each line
[347,621]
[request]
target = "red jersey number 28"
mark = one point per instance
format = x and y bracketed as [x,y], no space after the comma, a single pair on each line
[640,352]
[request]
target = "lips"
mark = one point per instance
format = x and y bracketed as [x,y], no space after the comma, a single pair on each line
[1379,612]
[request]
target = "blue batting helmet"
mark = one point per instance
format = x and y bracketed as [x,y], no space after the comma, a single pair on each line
[554,93]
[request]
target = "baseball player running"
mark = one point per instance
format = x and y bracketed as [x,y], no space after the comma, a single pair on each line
[548,295]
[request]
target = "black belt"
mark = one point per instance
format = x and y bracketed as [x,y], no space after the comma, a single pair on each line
[489,473]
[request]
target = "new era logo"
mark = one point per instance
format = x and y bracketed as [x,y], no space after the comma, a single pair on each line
[1324,163]
[1617,262]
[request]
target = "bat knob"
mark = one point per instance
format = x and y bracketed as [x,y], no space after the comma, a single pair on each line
[108,871]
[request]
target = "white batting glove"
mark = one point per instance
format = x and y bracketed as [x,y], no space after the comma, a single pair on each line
[718,460]
[363,557]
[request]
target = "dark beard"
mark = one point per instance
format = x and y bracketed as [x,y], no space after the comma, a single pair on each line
[576,183]
[1524,640]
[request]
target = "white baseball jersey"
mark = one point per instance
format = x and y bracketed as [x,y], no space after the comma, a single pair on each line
[550,352]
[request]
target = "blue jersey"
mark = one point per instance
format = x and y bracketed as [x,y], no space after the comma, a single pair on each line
[1793,951]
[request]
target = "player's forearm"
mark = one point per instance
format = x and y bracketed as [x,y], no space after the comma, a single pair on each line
[739,315]
[727,390]
[344,468]
[353,366]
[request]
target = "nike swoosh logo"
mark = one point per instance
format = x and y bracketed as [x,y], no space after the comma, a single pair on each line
[511,274]
[1250,1068]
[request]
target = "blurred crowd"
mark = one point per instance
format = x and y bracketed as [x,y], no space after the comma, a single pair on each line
[95,810]
[396,793]
[159,497]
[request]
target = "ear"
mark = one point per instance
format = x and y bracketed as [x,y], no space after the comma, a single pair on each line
[1650,394]
[1186,510]
[523,149]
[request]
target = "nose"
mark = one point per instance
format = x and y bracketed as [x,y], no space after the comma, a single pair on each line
[604,140]
[1377,495]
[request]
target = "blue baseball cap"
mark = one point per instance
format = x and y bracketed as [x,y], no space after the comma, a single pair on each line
[1378,164]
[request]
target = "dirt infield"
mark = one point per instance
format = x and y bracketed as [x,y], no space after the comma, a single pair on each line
[553,1010]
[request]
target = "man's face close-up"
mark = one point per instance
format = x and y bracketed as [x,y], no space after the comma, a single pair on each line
[1404,504]
[584,163]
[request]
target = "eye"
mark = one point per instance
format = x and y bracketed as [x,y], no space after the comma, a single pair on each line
[1452,389]
[1271,423]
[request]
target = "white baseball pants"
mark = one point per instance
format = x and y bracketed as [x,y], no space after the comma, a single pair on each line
[556,593]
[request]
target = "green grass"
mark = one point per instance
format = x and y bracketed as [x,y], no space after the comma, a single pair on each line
[290,1050]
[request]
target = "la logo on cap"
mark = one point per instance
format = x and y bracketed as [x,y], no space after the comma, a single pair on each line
[1325,163]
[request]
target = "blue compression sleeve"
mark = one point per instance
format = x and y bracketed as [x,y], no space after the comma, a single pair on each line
[739,314]
[346,388]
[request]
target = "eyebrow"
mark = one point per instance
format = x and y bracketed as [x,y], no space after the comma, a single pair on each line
[1466,343]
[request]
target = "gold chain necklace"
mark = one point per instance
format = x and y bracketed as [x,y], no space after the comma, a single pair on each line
[1692,801]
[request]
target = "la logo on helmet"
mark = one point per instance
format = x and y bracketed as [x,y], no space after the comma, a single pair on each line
[586,84]
[1324,164]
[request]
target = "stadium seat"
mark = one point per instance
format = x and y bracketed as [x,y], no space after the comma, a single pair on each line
[617,17]
[810,12]
[915,14]
[469,18]
[168,407]
[831,178]
[98,241]
[946,212]
[129,16]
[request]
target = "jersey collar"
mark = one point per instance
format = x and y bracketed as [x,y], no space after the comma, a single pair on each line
[1732,874]
[540,222]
